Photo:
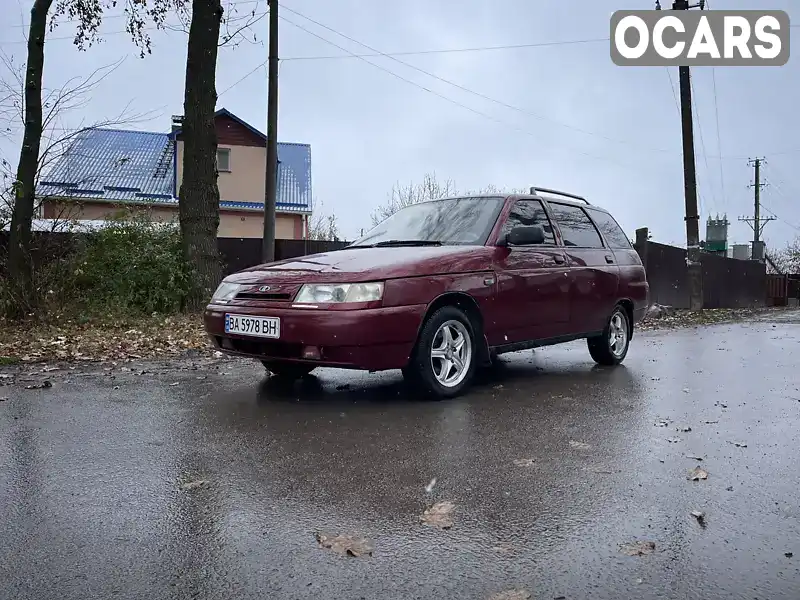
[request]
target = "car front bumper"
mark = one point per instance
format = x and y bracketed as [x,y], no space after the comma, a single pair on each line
[370,339]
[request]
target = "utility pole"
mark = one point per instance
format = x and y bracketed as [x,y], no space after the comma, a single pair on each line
[692,218]
[268,248]
[757,223]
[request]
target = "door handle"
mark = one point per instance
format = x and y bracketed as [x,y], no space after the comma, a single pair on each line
[609,259]
[559,259]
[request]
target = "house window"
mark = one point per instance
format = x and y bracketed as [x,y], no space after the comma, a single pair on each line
[223,159]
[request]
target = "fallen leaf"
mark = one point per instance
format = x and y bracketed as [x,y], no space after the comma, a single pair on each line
[346,545]
[511,595]
[49,369]
[684,429]
[192,485]
[729,488]
[662,423]
[218,354]
[673,440]
[700,516]
[697,474]
[39,386]
[524,462]
[788,554]
[740,444]
[638,548]
[438,515]
[692,457]
[711,422]
[429,487]
[579,445]
[174,384]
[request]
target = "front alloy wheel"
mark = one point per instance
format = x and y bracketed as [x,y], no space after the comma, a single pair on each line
[444,358]
[611,347]
[451,354]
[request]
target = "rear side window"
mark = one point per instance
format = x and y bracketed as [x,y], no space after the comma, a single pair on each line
[576,227]
[611,230]
[530,212]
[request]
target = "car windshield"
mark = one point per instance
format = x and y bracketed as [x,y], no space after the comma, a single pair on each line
[451,221]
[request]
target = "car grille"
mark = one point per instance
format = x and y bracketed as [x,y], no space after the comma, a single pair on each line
[265,297]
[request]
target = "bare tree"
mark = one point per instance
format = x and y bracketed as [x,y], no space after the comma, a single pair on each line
[199,193]
[430,188]
[323,226]
[56,137]
[787,259]
[89,17]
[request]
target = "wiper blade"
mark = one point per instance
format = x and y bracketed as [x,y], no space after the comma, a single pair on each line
[407,243]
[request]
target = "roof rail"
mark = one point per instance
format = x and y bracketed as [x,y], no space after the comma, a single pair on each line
[535,189]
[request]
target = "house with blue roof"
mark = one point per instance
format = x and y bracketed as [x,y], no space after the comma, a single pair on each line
[104,170]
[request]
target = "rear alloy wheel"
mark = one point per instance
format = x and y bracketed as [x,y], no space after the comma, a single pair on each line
[445,356]
[287,370]
[611,347]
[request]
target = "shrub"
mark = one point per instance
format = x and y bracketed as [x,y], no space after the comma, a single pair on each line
[133,265]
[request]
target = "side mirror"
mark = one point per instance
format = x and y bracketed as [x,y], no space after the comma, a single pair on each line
[525,235]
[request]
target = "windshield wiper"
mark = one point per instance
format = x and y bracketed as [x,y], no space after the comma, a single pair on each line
[389,243]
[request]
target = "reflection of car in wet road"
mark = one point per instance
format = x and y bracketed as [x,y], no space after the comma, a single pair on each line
[439,289]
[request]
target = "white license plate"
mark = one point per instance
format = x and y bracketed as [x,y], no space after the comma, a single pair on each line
[269,327]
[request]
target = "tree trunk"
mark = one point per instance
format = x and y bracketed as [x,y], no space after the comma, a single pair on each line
[20,267]
[199,194]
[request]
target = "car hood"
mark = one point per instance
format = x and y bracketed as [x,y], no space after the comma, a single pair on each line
[366,264]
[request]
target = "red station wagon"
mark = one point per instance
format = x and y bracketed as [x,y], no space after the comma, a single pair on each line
[441,288]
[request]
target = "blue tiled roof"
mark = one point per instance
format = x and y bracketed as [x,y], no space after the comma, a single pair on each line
[138,166]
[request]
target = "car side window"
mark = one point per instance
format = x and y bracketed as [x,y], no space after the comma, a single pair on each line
[611,230]
[576,227]
[530,212]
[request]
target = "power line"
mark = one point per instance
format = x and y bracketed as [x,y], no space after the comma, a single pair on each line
[465,89]
[442,96]
[672,89]
[696,113]
[240,80]
[779,218]
[450,50]
[719,137]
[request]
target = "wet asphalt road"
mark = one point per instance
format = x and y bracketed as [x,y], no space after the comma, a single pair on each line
[92,503]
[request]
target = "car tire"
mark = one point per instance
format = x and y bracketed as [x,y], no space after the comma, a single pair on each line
[287,370]
[446,341]
[611,347]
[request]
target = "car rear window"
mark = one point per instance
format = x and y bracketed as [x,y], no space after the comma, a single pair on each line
[611,230]
[576,227]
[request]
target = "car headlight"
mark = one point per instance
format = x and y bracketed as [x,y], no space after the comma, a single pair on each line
[330,293]
[225,293]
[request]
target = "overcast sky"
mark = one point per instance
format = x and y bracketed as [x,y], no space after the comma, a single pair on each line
[559,116]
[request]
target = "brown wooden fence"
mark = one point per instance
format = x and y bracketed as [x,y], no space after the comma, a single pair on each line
[241,253]
[237,253]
